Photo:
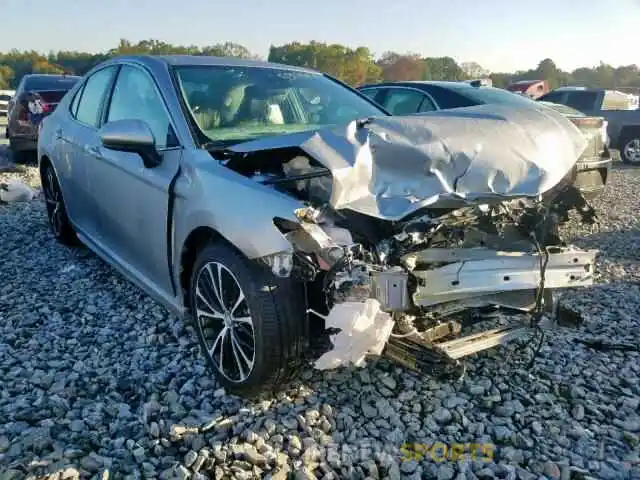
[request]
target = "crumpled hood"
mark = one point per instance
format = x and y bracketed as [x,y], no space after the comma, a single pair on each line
[389,167]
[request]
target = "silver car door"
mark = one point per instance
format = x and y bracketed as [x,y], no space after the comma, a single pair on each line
[131,199]
[79,144]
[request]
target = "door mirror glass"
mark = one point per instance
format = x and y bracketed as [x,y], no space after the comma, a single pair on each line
[131,136]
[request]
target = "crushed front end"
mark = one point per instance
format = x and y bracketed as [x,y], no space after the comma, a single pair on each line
[415,229]
[411,295]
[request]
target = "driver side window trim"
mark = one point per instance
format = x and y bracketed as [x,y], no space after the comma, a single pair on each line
[105,112]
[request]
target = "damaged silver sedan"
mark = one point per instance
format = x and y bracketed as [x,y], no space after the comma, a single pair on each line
[295,222]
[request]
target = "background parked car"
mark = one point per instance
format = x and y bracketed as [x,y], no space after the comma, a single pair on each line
[407,98]
[5,97]
[36,97]
[616,107]
[530,88]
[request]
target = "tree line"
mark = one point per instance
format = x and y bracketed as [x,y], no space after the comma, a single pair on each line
[354,66]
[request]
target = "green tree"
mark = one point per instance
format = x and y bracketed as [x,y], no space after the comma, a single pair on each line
[397,67]
[353,66]
[444,68]
[6,75]
[42,66]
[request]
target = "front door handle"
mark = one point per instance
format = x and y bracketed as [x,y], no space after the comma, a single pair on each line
[93,150]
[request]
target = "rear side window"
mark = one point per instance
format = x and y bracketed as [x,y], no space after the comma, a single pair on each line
[447,98]
[75,102]
[403,102]
[89,107]
[374,94]
[583,101]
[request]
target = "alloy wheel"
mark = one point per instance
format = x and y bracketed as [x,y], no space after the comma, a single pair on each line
[53,198]
[225,322]
[631,150]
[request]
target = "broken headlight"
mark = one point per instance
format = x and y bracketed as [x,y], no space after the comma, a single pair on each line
[280,263]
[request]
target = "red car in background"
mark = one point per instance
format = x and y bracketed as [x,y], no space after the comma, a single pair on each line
[36,97]
[530,88]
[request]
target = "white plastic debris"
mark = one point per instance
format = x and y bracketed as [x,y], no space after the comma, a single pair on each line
[16,191]
[364,331]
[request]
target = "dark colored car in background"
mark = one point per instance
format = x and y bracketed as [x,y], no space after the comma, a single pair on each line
[408,98]
[623,122]
[36,97]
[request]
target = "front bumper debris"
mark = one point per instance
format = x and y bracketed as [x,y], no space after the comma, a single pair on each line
[458,280]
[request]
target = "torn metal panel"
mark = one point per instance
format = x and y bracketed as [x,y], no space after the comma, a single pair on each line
[508,272]
[364,331]
[389,167]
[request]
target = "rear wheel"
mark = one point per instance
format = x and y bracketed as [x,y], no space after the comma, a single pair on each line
[250,324]
[18,155]
[56,210]
[630,151]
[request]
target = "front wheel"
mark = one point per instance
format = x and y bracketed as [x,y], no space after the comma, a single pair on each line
[56,210]
[630,151]
[250,324]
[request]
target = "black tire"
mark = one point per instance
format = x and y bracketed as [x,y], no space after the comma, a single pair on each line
[56,210]
[276,307]
[626,141]
[17,155]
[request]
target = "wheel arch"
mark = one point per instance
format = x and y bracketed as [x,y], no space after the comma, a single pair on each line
[197,239]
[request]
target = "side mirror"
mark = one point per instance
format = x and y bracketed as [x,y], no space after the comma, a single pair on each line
[131,136]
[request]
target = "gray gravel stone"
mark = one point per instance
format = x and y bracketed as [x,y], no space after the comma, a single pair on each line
[98,377]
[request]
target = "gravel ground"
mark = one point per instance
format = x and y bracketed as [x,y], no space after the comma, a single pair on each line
[99,381]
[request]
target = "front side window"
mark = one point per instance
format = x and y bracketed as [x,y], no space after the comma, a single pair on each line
[403,102]
[135,97]
[93,93]
[232,104]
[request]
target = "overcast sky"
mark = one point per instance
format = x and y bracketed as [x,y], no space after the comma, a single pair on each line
[501,35]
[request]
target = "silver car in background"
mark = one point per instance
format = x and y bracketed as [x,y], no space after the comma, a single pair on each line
[294,220]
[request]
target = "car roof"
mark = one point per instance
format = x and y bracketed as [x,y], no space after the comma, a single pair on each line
[202,60]
[418,83]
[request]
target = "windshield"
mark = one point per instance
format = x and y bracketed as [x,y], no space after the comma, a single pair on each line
[491,95]
[234,104]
